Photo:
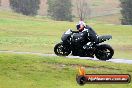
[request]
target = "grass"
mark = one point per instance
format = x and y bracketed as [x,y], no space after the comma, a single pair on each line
[32,71]
[34,34]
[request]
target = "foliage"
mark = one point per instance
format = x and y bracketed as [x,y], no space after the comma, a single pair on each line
[126,12]
[83,9]
[26,7]
[60,10]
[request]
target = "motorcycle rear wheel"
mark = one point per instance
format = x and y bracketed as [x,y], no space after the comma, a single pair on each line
[61,50]
[104,52]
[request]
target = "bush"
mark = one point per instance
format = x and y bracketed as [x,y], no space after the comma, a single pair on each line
[26,7]
[126,12]
[60,10]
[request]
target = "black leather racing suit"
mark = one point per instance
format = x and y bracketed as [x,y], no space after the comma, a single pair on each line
[92,34]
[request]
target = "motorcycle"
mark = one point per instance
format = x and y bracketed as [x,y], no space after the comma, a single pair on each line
[73,43]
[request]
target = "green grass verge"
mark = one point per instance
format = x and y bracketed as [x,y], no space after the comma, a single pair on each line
[34,34]
[32,71]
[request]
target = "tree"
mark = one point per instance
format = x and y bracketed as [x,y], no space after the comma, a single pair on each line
[83,9]
[126,12]
[60,10]
[26,7]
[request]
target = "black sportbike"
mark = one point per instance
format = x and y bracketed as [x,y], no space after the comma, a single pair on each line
[73,42]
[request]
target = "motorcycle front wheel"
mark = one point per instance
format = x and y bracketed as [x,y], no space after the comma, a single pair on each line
[104,52]
[61,50]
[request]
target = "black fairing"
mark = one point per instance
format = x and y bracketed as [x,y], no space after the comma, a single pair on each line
[104,38]
[66,38]
[79,38]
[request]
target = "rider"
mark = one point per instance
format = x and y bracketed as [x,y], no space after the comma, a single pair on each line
[81,26]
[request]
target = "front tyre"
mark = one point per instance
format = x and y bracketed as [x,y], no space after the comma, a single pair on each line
[104,52]
[61,50]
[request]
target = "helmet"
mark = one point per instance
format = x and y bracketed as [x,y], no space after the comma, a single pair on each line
[80,23]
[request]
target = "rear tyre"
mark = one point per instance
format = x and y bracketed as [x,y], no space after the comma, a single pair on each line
[61,50]
[104,52]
